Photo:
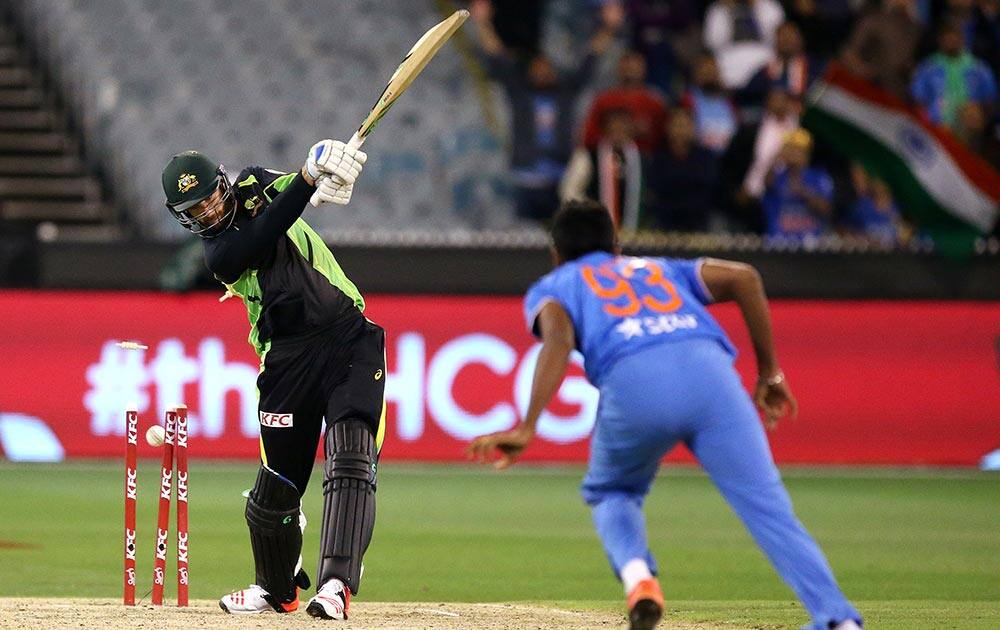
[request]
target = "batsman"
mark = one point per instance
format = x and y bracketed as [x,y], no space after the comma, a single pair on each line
[320,358]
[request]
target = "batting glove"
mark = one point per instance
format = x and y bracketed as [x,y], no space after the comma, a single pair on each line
[328,190]
[332,157]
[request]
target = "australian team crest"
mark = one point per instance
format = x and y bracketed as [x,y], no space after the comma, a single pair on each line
[186,182]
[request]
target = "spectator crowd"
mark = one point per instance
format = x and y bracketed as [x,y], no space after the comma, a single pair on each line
[701,129]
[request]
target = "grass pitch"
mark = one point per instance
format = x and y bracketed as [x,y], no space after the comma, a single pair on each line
[912,548]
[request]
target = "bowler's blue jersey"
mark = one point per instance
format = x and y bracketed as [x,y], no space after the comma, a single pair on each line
[622,304]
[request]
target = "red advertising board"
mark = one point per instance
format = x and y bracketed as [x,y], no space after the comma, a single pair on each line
[877,382]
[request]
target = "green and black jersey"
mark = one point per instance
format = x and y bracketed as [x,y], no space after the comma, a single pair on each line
[287,277]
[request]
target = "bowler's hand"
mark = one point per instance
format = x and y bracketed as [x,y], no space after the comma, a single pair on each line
[510,444]
[775,400]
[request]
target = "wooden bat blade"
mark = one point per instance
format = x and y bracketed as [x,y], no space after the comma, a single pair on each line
[413,63]
[416,60]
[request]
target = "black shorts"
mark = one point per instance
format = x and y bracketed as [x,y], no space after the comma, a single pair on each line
[311,377]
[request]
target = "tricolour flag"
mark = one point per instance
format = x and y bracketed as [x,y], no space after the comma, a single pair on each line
[937,181]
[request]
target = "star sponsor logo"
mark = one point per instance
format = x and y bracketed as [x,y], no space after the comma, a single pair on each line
[665,324]
[630,327]
[653,326]
[130,572]
[158,575]
[276,420]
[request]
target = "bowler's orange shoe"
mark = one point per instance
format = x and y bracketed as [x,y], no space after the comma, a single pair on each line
[645,605]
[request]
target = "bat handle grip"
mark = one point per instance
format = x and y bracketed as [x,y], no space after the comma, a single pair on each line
[354,143]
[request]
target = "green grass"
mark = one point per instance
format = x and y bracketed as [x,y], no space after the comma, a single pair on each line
[911,548]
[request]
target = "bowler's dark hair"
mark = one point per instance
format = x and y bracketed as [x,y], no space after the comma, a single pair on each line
[582,227]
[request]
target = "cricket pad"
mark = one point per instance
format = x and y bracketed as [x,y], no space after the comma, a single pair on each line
[275,536]
[348,501]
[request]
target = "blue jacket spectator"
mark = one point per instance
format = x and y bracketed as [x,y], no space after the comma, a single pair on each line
[715,116]
[798,199]
[874,214]
[950,78]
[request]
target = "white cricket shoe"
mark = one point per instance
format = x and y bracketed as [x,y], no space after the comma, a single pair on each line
[254,600]
[850,624]
[331,601]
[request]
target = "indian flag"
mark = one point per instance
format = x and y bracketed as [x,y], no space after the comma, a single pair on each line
[936,180]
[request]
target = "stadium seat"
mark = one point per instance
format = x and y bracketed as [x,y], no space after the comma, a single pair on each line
[260,81]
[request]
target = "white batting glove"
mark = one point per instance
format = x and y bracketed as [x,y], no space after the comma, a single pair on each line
[329,190]
[333,157]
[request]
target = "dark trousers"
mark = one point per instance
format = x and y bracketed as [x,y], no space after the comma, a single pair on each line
[311,377]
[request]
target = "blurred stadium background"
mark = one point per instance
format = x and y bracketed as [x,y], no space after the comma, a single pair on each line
[684,116]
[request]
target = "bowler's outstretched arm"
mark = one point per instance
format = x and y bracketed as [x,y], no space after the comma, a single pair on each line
[558,341]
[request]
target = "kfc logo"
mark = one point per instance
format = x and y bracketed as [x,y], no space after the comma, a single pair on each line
[165,483]
[130,484]
[133,428]
[130,545]
[276,420]
[182,547]
[182,486]
[182,435]
[161,548]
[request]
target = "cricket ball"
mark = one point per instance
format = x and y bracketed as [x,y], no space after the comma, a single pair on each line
[155,435]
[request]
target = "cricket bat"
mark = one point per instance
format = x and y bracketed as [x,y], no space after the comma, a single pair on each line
[413,63]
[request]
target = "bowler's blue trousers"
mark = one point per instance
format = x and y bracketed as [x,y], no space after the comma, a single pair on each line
[688,391]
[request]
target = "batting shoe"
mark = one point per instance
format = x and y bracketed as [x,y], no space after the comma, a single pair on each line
[254,600]
[645,605]
[331,601]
